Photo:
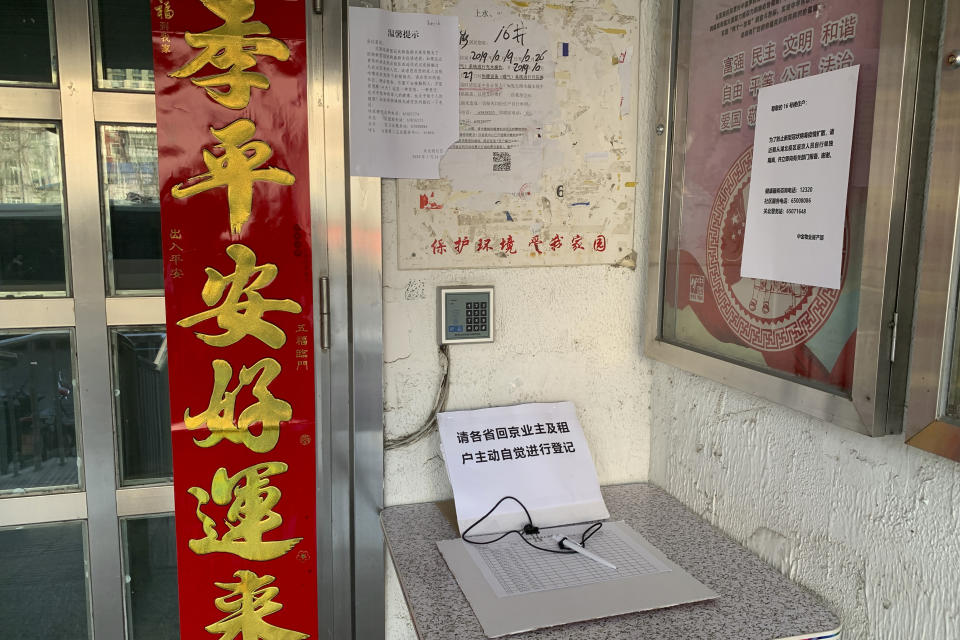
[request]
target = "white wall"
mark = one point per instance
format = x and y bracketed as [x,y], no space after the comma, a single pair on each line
[872,525]
[563,333]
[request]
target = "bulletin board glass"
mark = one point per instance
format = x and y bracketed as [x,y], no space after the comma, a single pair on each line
[817,349]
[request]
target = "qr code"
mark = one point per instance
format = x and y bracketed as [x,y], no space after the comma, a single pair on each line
[501,161]
[697,286]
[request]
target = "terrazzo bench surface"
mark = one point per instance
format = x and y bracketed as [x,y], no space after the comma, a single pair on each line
[756,601]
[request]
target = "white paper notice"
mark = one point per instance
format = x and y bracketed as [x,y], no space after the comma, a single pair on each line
[506,93]
[403,92]
[533,452]
[798,184]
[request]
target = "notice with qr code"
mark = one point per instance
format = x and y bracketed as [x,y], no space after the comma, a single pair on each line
[506,93]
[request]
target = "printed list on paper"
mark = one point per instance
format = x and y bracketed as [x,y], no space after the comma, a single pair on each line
[512,567]
[798,187]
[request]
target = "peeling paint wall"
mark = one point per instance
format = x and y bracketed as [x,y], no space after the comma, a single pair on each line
[563,191]
[872,525]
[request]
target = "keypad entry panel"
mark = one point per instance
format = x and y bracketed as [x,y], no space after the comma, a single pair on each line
[465,314]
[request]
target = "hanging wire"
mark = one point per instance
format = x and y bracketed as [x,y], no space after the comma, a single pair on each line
[439,404]
[528,530]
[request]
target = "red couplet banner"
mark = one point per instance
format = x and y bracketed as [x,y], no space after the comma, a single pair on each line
[232,140]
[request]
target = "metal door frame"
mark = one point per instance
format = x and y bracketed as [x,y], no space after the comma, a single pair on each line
[351,463]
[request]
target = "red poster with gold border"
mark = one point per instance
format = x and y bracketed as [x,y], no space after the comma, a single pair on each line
[232,142]
[734,48]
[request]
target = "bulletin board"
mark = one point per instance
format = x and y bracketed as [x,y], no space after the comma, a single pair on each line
[824,351]
[803,331]
[544,171]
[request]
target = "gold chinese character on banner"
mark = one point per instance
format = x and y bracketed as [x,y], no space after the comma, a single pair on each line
[251,500]
[232,46]
[163,10]
[240,311]
[219,415]
[250,600]
[237,168]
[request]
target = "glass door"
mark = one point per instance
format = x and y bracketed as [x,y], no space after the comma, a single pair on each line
[85,465]
[87,538]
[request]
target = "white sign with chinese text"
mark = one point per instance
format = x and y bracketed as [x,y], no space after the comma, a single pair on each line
[404,95]
[798,190]
[534,452]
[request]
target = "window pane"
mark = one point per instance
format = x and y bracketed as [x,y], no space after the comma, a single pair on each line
[132,202]
[26,27]
[953,391]
[43,593]
[126,53]
[142,405]
[38,430]
[150,564]
[32,260]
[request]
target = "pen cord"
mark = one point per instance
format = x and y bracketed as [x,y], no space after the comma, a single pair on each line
[528,529]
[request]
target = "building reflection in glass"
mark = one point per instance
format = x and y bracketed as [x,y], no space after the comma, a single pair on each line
[32,259]
[38,430]
[132,207]
[141,390]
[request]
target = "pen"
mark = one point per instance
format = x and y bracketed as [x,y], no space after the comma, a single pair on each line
[573,546]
